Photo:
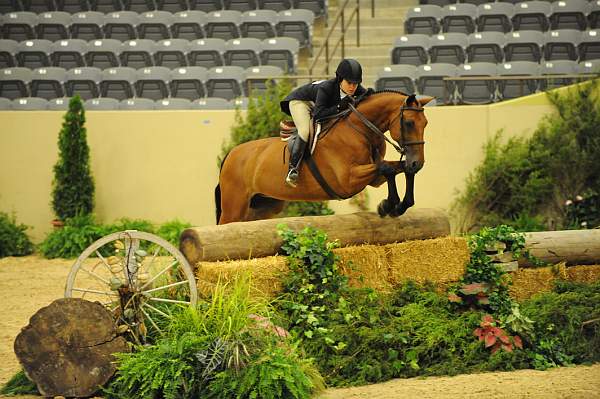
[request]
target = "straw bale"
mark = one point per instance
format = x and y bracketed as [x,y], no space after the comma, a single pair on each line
[265,273]
[584,274]
[439,260]
[366,266]
[528,282]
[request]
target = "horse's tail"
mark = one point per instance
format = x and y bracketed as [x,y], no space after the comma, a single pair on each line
[218,201]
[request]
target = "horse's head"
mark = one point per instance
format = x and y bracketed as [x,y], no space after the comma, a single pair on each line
[407,126]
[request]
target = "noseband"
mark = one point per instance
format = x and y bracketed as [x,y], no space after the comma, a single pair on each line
[401,146]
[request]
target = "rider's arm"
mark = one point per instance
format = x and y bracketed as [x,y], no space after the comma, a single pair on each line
[322,108]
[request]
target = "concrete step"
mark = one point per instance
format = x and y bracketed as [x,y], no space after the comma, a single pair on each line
[373,35]
[365,50]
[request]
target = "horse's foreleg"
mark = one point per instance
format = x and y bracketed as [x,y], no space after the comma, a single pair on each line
[409,196]
[388,206]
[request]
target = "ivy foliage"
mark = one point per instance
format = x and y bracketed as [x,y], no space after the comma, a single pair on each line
[73,186]
[13,237]
[525,182]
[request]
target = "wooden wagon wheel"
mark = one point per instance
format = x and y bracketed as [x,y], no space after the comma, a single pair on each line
[138,276]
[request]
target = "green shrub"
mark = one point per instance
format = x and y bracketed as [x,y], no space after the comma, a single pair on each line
[19,384]
[524,182]
[13,239]
[73,186]
[73,238]
[171,231]
[305,208]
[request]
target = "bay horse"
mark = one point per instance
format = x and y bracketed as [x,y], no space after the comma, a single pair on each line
[349,157]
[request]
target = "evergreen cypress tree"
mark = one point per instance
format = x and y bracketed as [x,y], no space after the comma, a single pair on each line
[73,186]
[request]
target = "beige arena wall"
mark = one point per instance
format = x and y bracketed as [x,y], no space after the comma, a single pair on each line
[160,165]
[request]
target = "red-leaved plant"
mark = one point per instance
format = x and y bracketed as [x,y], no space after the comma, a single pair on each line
[495,337]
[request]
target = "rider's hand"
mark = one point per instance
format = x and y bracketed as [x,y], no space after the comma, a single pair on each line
[344,102]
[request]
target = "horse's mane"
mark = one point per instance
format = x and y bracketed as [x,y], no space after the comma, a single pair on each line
[389,91]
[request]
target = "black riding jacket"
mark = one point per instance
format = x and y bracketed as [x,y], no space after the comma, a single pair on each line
[324,93]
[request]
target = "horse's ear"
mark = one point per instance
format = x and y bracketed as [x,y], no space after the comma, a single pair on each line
[425,100]
[411,100]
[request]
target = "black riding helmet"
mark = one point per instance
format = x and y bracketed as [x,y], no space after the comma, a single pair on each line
[350,70]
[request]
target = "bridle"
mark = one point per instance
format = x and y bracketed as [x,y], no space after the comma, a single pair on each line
[401,146]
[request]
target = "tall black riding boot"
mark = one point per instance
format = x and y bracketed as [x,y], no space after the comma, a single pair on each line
[295,160]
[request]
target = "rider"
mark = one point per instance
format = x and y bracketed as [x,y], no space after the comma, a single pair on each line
[323,98]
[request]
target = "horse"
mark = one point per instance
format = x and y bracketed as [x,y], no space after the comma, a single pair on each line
[349,158]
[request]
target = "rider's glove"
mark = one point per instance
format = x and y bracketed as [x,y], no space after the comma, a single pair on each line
[344,102]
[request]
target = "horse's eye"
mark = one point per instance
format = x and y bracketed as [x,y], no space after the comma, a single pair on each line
[409,124]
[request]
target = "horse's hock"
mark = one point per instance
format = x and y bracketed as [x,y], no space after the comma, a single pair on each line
[381,253]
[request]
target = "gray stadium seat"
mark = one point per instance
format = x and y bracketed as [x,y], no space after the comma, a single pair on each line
[48,82]
[137,53]
[594,15]
[8,51]
[562,44]
[440,3]
[139,6]
[19,25]
[569,14]
[275,5]
[255,78]
[524,46]
[137,104]
[29,104]
[448,48]
[121,25]
[430,81]
[223,24]
[281,52]
[423,19]
[225,82]
[296,24]
[475,2]
[411,49]
[188,25]
[101,104]
[117,83]
[103,53]
[318,7]
[68,53]
[188,82]
[240,102]
[5,104]
[171,53]
[476,91]
[589,47]
[172,6]
[84,81]
[58,104]
[242,52]
[515,88]
[259,24]
[173,103]
[560,67]
[459,18]
[155,25]
[397,77]
[486,47]
[34,53]
[532,15]
[206,5]
[211,103]
[153,82]
[14,82]
[592,66]
[87,25]
[72,6]
[495,17]
[206,52]
[38,6]
[106,6]
[240,5]
[53,25]
[8,6]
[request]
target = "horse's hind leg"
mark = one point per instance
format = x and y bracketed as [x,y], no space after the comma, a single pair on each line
[262,207]
[234,205]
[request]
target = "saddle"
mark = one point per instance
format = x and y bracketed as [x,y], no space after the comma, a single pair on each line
[288,132]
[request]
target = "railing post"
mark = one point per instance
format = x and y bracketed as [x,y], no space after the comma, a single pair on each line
[372,8]
[327,57]
[343,27]
[357,23]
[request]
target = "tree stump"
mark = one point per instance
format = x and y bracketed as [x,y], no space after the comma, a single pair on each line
[67,348]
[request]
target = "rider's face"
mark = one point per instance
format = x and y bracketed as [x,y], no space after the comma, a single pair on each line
[347,87]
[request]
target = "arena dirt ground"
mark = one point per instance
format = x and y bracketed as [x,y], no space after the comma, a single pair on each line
[28,283]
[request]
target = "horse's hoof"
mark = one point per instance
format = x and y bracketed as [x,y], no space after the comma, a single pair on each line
[383,208]
[400,209]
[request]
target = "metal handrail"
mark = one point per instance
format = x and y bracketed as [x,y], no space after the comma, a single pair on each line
[325,46]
